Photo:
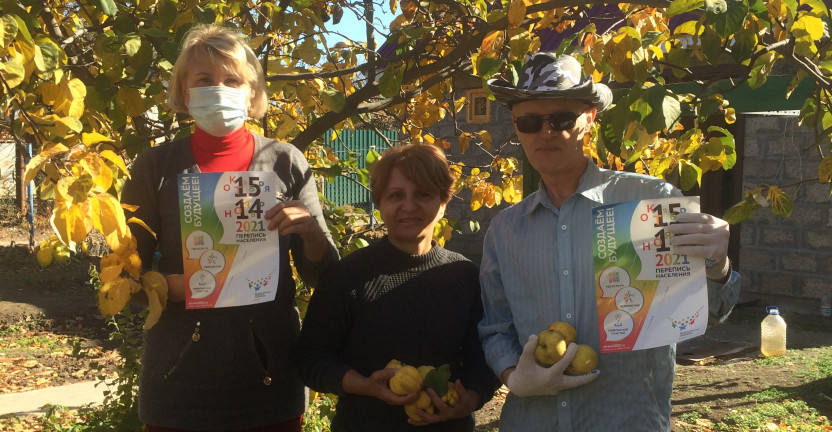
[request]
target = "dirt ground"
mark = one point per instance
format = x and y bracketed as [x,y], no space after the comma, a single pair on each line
[51,333]
[56,307]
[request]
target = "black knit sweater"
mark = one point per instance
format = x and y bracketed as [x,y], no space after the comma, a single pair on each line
[381,303]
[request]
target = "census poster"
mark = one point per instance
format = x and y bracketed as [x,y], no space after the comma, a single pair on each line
[230,256]
[647,294]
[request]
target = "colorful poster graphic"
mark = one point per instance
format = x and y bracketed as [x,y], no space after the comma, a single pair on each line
[229,254]
[648,296]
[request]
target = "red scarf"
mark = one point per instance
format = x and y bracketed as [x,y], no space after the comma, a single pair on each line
[232,152]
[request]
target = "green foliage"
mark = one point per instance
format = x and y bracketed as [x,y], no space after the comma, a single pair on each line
[789,413]
[771,394]
[119,411]
[810,369]
[437,379]
[690,417]
[319,415]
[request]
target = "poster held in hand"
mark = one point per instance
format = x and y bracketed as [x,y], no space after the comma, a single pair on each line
[230,256]
[648,295]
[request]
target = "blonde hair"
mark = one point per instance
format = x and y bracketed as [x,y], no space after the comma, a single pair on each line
[424,165]
[225,48]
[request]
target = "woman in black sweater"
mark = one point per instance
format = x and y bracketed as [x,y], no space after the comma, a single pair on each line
[404,298]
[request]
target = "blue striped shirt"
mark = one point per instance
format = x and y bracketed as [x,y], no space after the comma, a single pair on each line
[537,268]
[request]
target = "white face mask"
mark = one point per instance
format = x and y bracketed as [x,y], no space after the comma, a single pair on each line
[218,110]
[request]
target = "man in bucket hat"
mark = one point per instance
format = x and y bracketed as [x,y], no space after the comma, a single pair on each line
[537,266]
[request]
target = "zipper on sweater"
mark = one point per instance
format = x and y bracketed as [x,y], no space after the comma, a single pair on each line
[261,353]
[194,339]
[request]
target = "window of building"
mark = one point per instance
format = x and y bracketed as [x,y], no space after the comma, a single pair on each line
[479,107]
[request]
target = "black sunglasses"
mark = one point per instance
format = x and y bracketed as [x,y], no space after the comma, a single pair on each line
[558,122]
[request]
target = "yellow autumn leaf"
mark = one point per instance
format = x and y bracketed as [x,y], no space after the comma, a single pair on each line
[460,103]
[825,169]
[476,199]
[70,123]
[75,91]
[61,222]
[116,160]
[155,281]
[155,309]
[489,41]
[781,203]
[109,220]
[493,196]
[516,13]
[70,190]
[398,23]
[137,221]
[80,222]
[110,273]
[98,170]
[485,137]
[548,19]
[40,159]
[440,231]
[130,101]
[132,263]
[305,95]
[49,92]
[730,116]
[811,24]
[286,125]
[76,108]
[92,138]
[513,189]
[13,72]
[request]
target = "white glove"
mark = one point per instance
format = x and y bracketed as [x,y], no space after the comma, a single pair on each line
[531,379]
[700,234]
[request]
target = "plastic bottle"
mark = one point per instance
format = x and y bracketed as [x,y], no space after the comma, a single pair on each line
[773,333]
[826,304]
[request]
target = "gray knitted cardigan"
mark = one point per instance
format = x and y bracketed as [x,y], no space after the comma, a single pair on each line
[226,368]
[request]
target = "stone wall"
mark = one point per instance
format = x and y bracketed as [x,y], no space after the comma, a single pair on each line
[499,125]
[786,256]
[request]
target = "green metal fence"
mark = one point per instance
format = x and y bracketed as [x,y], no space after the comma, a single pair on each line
[349,191]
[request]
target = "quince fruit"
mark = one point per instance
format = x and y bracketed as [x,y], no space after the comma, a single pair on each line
[45,256]
[424,403]
[565,329]
[424,370]
[60,254]
[584,361]
[451,396]
[406,380]
[551,346]
[394,364]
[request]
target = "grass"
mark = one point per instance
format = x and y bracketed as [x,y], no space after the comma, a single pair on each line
[796,393]
[806,367]
[21,337]
[786,414]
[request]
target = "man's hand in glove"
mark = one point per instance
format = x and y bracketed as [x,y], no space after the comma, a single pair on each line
[530,379]
[700,234]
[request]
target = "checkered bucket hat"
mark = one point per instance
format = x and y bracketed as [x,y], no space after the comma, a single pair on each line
[547,76]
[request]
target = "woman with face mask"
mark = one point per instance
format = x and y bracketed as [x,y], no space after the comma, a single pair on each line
[223,369]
